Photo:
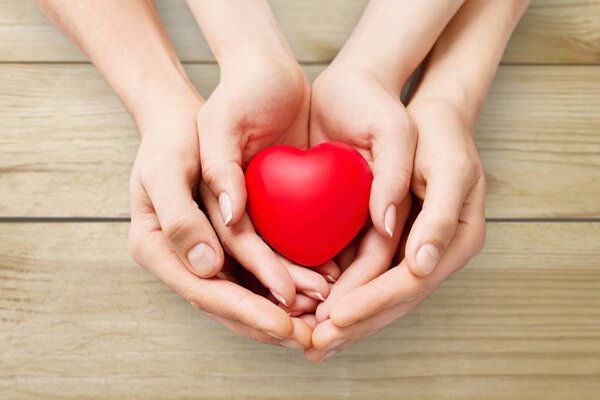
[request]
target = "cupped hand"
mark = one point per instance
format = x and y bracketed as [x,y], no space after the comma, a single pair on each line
[172,238]
[449,182]
[352,106]
[261,100]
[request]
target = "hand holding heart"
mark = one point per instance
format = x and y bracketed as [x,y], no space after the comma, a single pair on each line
[194,153]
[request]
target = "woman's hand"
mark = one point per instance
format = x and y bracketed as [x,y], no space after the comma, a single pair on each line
[449,182]
[260,102]
[352,106]
[447,177]
[357,101]
[171,237]
[262,99]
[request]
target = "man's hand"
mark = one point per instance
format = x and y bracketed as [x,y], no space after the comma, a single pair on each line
[449,182]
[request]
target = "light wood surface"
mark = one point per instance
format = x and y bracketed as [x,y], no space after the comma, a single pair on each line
[552,31]
[79,319]
[68,144]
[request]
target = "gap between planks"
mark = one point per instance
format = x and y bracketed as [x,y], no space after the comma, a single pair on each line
[127,220]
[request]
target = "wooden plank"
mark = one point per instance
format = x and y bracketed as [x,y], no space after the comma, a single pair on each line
[68,145]
[79,319]
[552,31]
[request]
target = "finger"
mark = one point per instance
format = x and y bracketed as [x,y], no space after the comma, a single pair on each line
[330,271]
[216,296]
[348,254]
[393,151]
[185,227]
[302,332]
[221,161]
[310,320]
[307,281]
[329,339]
[246,331]
[242,242]
[400,285]
[301,338]
[438,220]
[301,305]
[374,257]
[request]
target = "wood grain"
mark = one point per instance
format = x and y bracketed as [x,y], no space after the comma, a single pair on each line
[68,145]
[79,319]
[552,31]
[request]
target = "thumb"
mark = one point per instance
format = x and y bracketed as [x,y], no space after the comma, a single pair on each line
[438,220]
[184,225]
[221,162]
[393,152]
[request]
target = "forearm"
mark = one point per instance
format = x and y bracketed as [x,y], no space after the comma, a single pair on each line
[240,29]
[126,42]
[394,36]
[463,63]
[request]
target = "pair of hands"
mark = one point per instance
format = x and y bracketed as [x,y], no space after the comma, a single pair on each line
[195,152]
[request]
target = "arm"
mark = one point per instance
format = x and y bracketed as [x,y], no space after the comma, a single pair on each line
[463,63]
[130,48]
[356,100]
[169,235]
[262,99]
[448,176]
[394,36]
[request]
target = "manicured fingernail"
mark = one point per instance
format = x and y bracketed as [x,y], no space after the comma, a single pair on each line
[316,294]
[330,278]
[280,298]
[389,219]
[336,343]
[291,344]
[202,258]
[226,207]
[427,258]
[294,314]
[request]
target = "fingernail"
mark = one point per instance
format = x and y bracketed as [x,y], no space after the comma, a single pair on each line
[316,294]
[294,314]
[427,257]
[291,344]
[336,343]
[330,278]
[389,219]
[202,258]
[226,207]
[280,298]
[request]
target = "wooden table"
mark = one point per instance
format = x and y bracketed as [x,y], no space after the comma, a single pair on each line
[79,319]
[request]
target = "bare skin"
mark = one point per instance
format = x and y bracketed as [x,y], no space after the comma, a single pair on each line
[428,194]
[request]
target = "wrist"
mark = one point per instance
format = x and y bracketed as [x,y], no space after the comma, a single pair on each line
[160,102]
[390,74]
[235,30]
[440,103]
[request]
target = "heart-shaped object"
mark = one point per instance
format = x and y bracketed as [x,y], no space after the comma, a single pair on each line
[308,204]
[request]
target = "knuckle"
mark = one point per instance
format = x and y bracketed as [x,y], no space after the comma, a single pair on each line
[402,178]
[446,223]
[227,242]
[479,237]
[462,165]
[177,225]
[211,171]
[135,246]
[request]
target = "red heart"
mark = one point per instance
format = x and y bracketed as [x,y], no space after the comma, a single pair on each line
[308,204]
